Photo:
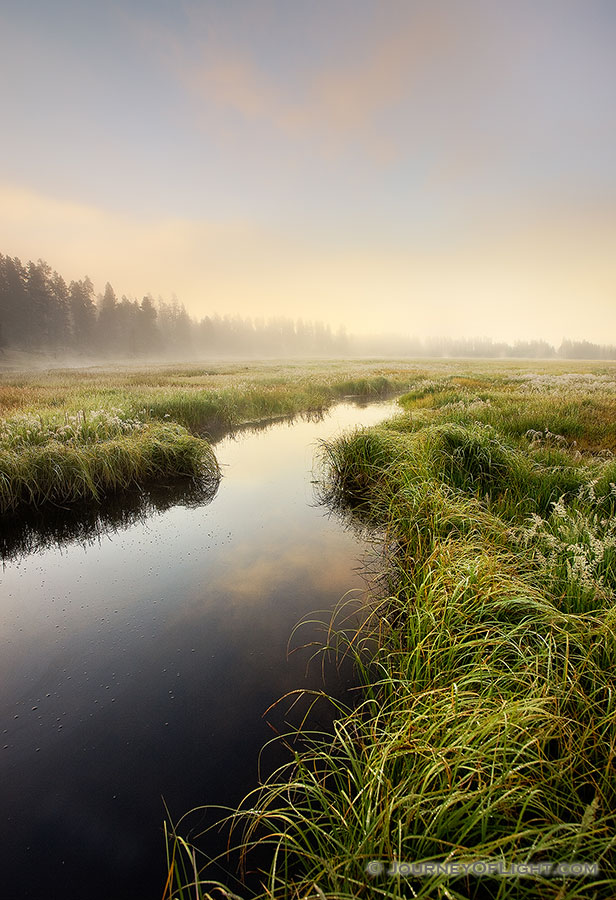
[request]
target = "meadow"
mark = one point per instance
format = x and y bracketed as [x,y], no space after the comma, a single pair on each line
[483,728]
[75,435]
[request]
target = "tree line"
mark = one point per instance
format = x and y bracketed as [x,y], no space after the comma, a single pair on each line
[39,311]
[484,348]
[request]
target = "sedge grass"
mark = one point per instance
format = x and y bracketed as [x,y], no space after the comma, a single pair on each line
[485,724]
[43,464]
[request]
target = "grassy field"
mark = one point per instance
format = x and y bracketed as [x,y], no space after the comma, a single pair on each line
[485,727]
[69,435]
[79,434]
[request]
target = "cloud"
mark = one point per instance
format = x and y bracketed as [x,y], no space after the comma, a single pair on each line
[464,91]
[365,69]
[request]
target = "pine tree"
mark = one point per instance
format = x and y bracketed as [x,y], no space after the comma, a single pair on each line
[83,314]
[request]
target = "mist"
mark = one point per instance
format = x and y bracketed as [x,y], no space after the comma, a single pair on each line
[53,322]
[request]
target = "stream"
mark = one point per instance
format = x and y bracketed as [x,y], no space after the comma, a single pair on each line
[141,644]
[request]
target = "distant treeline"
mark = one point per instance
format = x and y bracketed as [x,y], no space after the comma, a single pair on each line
[486,348]
[39,311]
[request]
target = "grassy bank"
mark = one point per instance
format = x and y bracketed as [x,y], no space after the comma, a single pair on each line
[485,728]
[88,455]
[74,435]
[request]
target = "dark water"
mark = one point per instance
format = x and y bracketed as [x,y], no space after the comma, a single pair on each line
[141,645]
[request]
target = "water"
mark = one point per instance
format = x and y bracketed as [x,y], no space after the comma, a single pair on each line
[141,647]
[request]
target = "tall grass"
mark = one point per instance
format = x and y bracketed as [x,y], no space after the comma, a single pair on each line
[86,456]
[196,397]
[579,407]
[78,435]
[485,727]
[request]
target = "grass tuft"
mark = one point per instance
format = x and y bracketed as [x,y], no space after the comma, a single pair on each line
[87,457]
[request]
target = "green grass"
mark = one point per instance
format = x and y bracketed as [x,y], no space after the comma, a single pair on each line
[44,463]
[575,406]
[74,435]
[485,723]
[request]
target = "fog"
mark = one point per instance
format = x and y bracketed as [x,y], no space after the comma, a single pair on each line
[53,322]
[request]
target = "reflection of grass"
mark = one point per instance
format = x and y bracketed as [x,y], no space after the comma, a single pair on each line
[86,522]
[486,726]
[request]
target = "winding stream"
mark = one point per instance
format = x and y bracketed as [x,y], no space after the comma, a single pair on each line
[141,648]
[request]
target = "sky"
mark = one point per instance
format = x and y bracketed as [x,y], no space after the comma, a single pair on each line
[426,167]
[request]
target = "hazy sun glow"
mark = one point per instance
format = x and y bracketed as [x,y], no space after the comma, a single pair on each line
[422,167]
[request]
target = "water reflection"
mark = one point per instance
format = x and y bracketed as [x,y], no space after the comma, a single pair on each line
[88,522]
[219,431]
[140,653]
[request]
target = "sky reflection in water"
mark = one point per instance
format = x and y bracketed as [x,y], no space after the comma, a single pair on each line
[137,662]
